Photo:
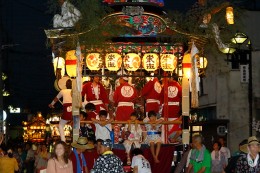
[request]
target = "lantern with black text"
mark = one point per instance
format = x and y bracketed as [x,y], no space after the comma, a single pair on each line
[186,65]
[168,62]
[113,61]
[150,61]
[132,61]
[94,61]
[71,63]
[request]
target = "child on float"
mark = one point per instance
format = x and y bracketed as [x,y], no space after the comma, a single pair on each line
[153,137]
[133,133]
[86,130]
[174,135]
[103,126]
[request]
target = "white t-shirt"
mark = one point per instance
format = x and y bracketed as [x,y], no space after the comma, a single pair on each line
[66,95]
[102,132]
[226,153]
[142,163]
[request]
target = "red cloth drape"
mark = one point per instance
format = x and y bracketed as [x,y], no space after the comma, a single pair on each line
[165,157]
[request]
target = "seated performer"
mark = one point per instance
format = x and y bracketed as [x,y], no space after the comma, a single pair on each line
[67,107]
[153,134]
[103,126]
[152,93]
[134,136]
[69,15]
[124,97]
[94,92]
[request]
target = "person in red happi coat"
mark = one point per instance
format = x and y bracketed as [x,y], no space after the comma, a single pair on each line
[152,93]
[94,92]
[174,101]
[124,98]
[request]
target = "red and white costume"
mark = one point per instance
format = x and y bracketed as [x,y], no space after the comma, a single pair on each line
[174,102]
[96,95]
[67,103]
[124,97]
[174,99]
[152,93]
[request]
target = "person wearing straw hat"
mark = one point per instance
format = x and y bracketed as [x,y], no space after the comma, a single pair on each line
[249,163]
[124,97]
[107,161]
[77,156]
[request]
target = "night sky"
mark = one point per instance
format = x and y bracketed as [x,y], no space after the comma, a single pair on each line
[28,64]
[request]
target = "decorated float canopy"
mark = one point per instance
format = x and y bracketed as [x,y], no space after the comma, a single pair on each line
[151,2]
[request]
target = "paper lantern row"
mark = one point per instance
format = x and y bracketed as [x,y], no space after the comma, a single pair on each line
[113,62]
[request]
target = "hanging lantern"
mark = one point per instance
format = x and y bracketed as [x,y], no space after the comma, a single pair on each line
[230,15]
[186,65]
[71,63]
[132,61]
[202,62]
[59,66]
[168,62]
[150,61]
[113,61]
[94,61]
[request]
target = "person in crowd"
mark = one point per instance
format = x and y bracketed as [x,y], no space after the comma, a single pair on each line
[224,149]
[134,135]
[230,168]
[42,158]
[91,111]
[77,157]
[152,93]
[153,128]
[124,98]
[139,163]
[103,126]
[30,158]
[59,162]
[249,162]
[218,160]
[174,105]
[86,130]
[18,159]
[8,164]
[200,159]
[22,154]
[67,107]
[185,160]
[94,92]
[108,162]
[91,155]
[98,145]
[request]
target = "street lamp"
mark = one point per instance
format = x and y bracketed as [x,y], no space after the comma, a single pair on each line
[244,56]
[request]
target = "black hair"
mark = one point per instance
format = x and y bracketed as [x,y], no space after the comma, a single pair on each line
[135,114]
[137,151]
[90,107]
[83,113]
[245,141]
[99,140]
[69,84]
[103,113]
[151,113]
[219,144]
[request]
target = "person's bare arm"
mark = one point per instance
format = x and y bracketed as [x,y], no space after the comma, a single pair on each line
[135,170]
[189,168]
[202,170]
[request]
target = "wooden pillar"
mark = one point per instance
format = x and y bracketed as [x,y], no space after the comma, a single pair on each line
[76,101]
[186,65]
[165,107]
